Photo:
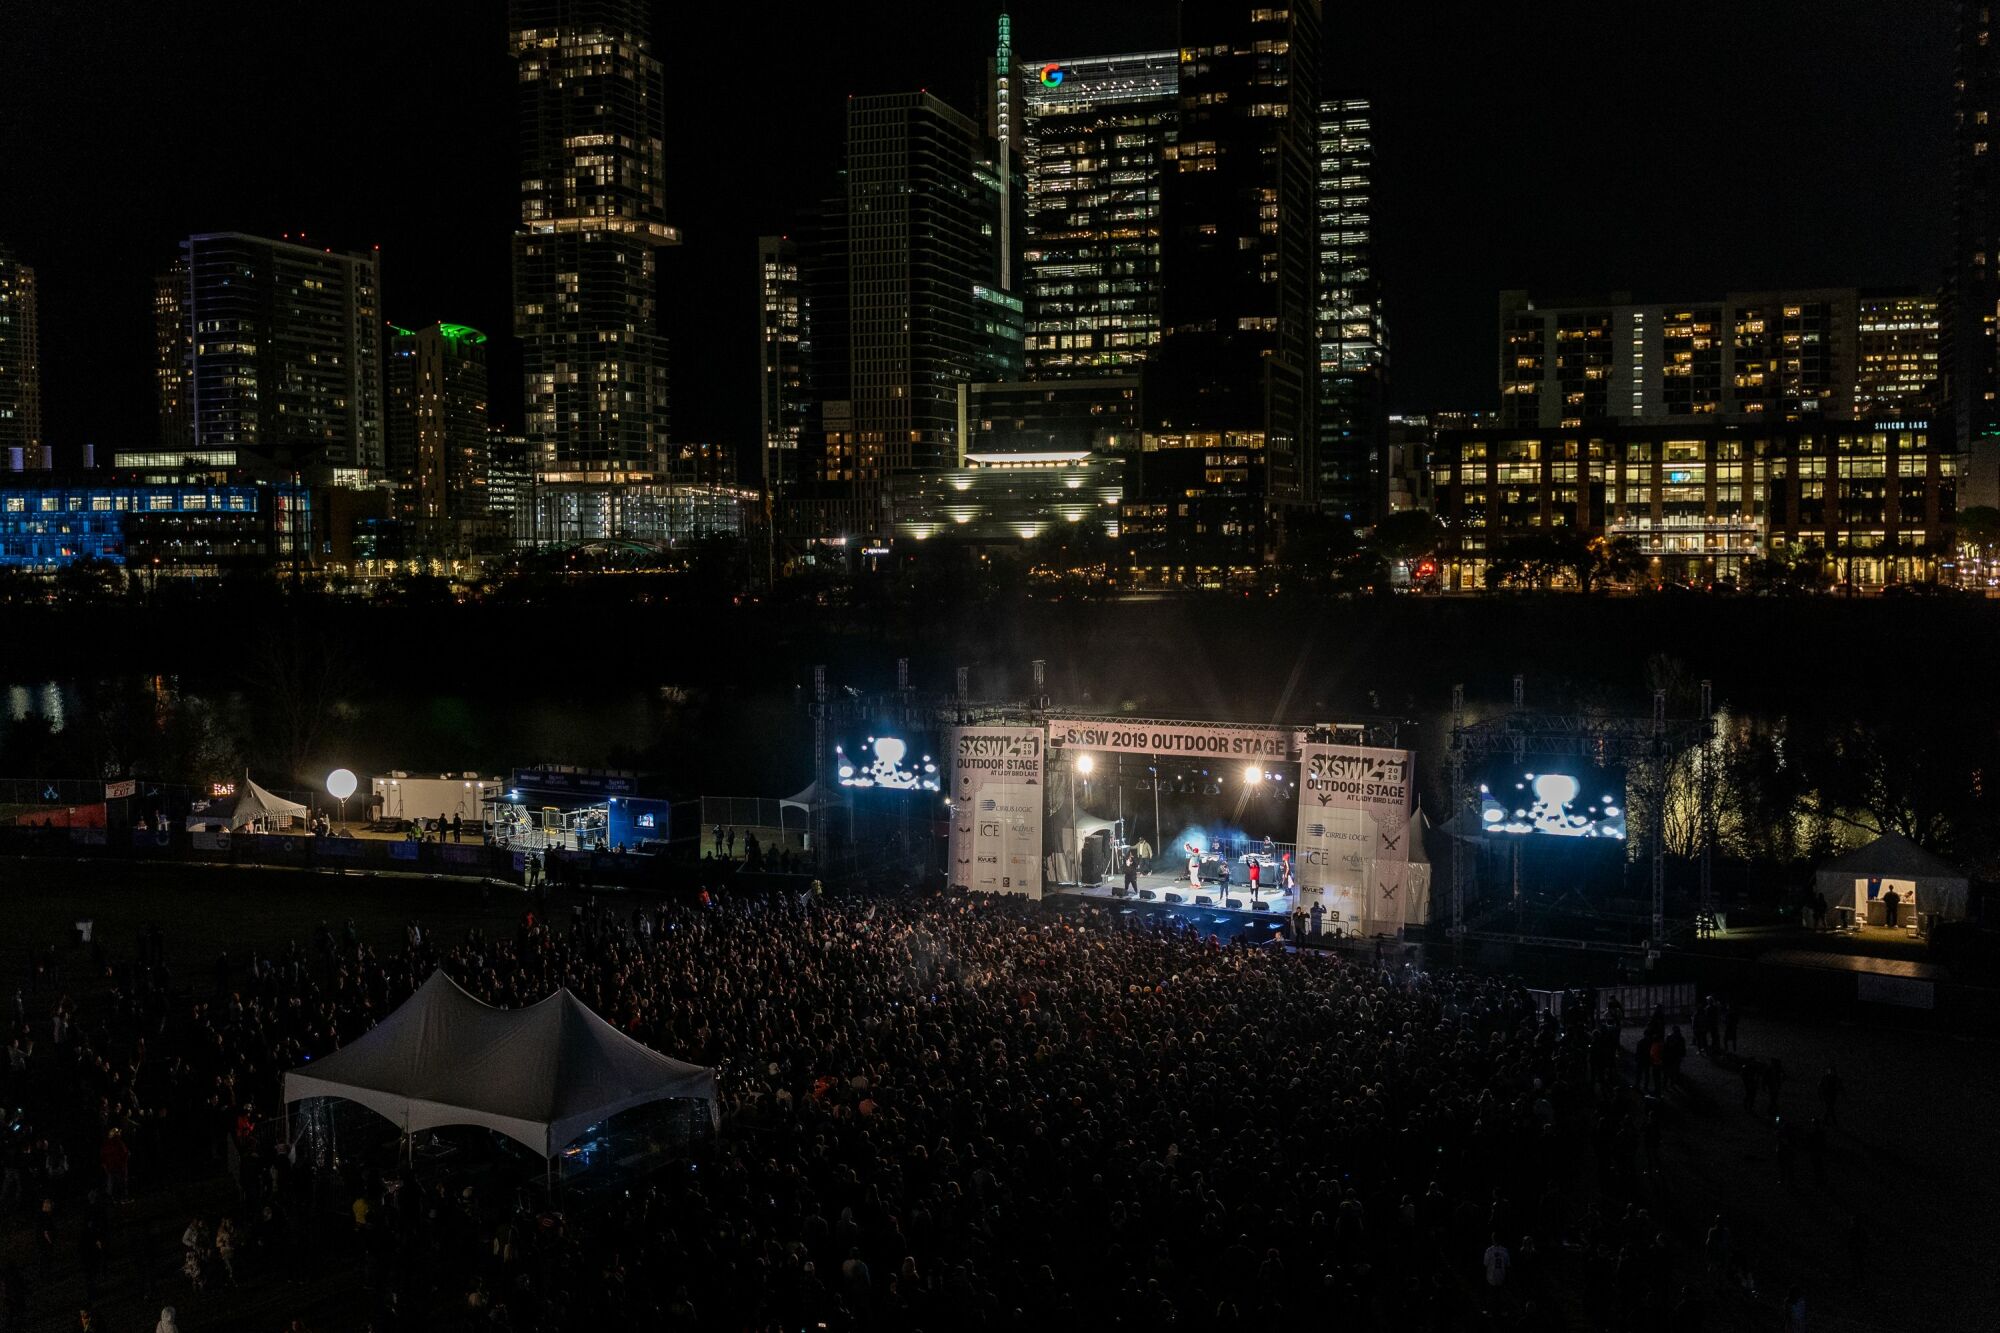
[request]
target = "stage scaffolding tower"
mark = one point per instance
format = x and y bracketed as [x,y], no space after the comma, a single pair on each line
[1646,747]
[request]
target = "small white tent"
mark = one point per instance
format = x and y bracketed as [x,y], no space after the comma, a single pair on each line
[255,803]
[1867,874]
[540,1075]
[252,804]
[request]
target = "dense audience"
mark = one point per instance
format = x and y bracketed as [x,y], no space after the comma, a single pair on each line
[939,1113]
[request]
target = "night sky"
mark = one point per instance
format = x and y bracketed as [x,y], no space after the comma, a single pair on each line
[1559,146]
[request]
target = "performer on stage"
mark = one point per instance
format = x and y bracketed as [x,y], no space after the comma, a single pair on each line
[1194,864]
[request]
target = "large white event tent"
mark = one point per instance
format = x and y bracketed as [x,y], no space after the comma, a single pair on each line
[540,1075]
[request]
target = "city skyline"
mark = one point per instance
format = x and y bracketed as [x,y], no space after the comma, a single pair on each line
[1874,182]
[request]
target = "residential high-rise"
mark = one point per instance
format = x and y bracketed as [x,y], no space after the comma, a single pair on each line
[1796,355]
[173,350]
[1095,133]
[283,352]
[1972,294]
[437,429]
[22,447]
[592,221]
[1234,368]
[784,349]
[923,265]
[1352,479]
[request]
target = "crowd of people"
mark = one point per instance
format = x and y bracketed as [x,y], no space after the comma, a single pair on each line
[940,1112]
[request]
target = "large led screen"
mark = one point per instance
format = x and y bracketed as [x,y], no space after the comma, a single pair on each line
[887,763]
[1582,803]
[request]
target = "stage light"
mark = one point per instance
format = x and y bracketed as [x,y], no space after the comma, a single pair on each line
[1084,764]
[1253,774]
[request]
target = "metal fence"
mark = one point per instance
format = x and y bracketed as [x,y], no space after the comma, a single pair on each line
[27,793]
[776,824]
[1636,1003]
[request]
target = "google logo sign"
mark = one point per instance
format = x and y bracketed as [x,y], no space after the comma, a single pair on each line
[1052,75]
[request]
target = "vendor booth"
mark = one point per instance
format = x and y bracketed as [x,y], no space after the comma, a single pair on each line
[1893,884]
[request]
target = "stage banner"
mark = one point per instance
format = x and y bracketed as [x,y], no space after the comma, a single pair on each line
[1354,835]
[996,809]
[1192,739]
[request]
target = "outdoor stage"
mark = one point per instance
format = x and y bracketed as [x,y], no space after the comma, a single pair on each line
[1161,883]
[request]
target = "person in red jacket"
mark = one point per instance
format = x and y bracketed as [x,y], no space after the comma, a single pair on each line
[1256,877]
[116,1159]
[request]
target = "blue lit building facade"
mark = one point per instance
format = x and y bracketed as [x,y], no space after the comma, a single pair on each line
[176,527]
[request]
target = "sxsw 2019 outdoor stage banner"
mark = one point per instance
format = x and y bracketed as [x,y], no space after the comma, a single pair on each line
[1354,834]
[996,812]
[1192,740]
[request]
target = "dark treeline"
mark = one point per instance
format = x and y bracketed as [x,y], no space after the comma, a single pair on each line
[1871,713]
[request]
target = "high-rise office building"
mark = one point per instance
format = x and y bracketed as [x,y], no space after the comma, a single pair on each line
[1094,136]
[1352,476]
[592,221]
[173,351]
[437,429]
[1235,366]
[826,445]
[1897,356]
[1798,355]
[784,348]
[283,353]
[923,271]
[1972,293]
[22,447]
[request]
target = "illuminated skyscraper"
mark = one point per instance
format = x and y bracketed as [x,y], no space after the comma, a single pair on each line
[22,447]
[437,429]
[784,346]
[1236,360]
[1094,133]
[173,348]
[1353,344]
[1972,295]
[592,221]
[923,277]
[283,351]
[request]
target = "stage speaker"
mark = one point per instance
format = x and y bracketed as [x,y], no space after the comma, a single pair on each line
[1149,895]
[1173,897]
[1235,904]
[1203,900]
[1259,905]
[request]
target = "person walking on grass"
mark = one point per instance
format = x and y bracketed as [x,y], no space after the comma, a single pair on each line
[1829,1092]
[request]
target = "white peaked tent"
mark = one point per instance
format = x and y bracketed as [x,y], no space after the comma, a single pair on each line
[256,803]
[252,804]
[1892,861]
[540,1075]
[815,798]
